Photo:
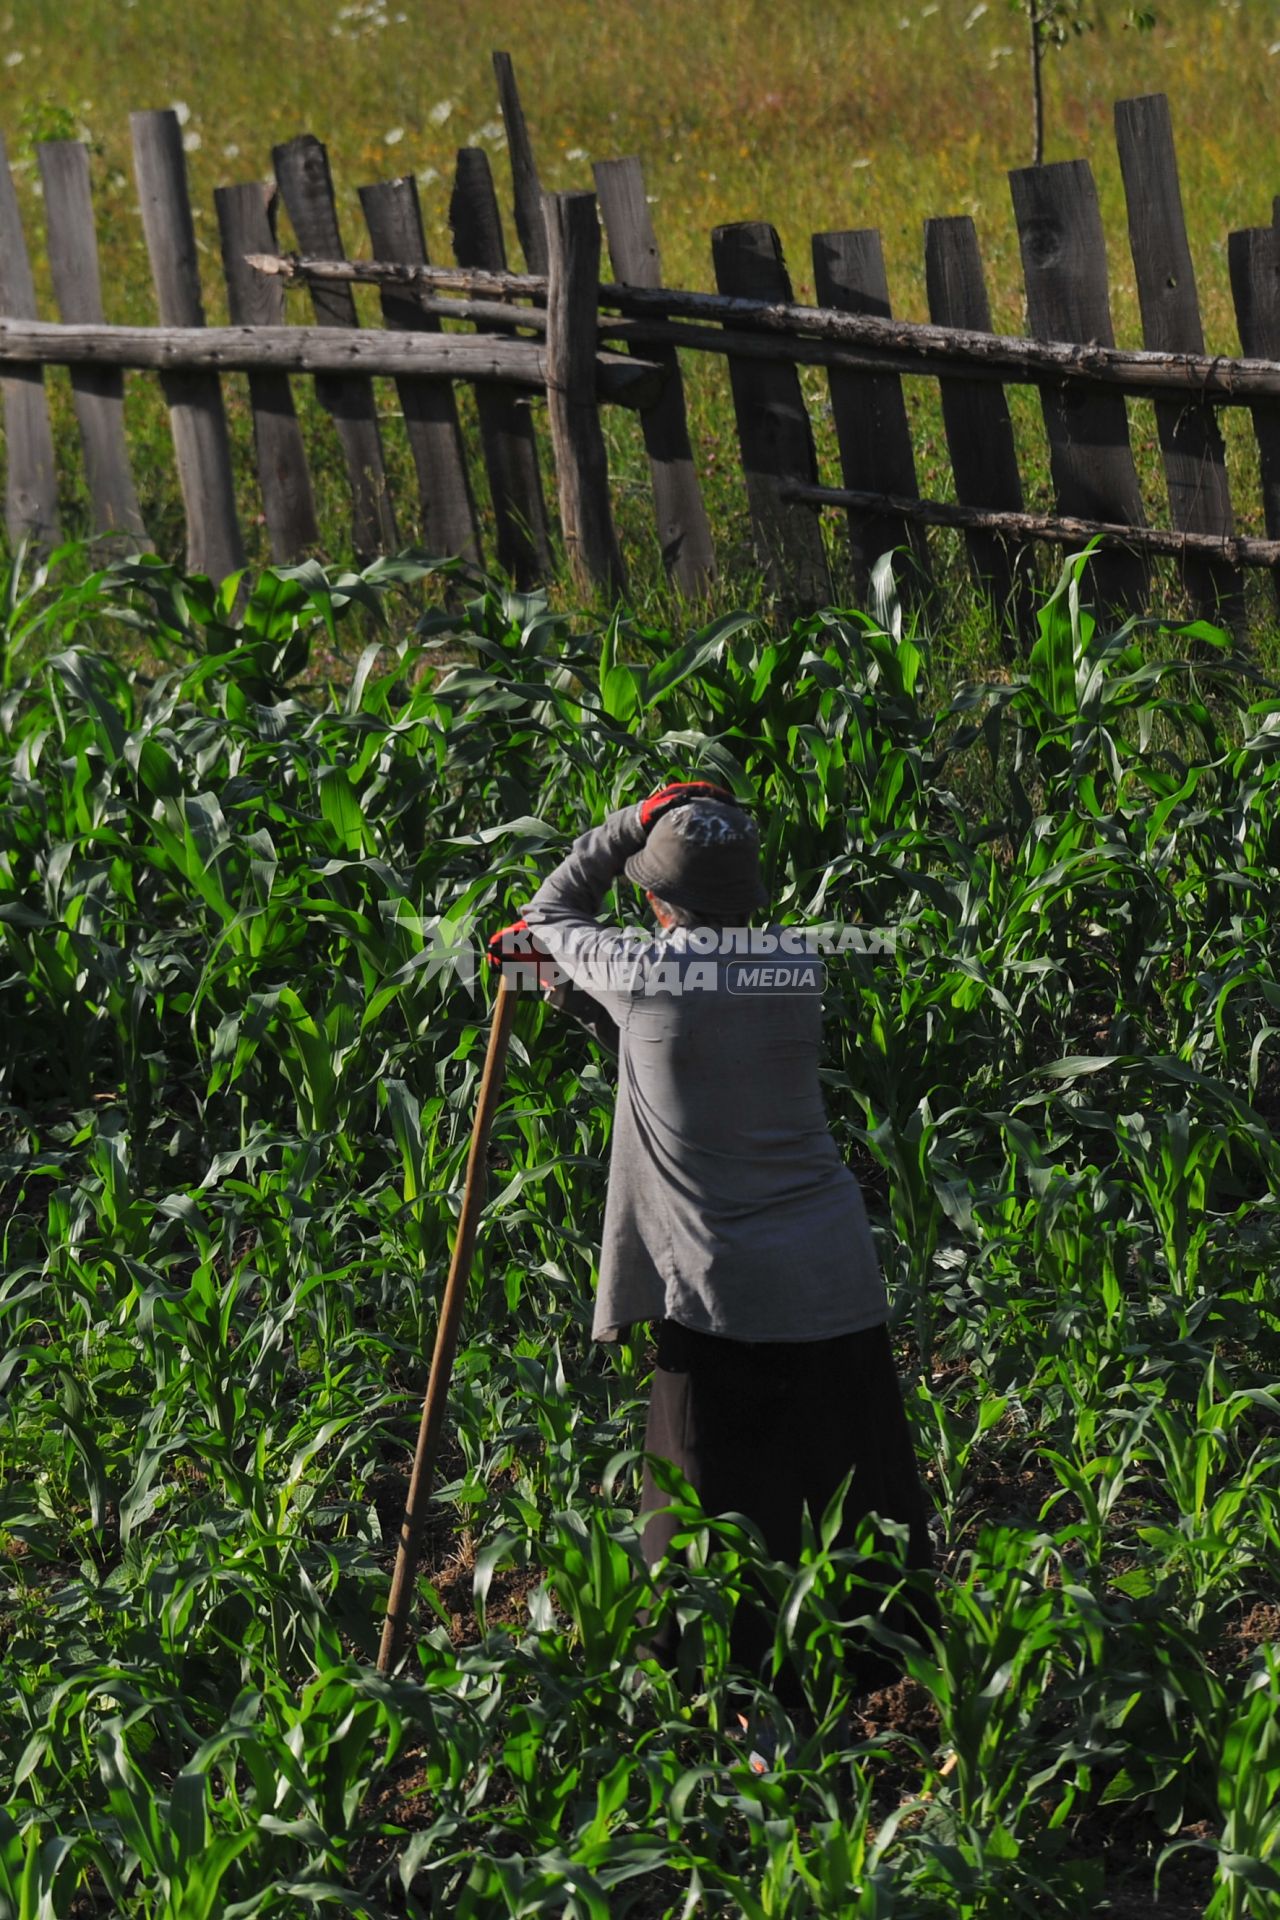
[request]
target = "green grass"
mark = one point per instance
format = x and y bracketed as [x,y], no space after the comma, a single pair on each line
[808,115]
[234,1105]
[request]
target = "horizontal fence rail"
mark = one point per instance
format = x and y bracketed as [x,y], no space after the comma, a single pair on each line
[1059,531]
[364,350]
[565,334]
[800,334]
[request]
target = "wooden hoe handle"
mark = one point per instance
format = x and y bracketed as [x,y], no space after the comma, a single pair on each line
[464,1246]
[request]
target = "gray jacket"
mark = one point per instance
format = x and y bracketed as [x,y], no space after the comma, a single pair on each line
[729,1208]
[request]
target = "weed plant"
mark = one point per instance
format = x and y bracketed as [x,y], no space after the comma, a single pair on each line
[237,1078]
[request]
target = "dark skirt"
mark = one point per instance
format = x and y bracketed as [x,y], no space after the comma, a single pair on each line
[761,1428]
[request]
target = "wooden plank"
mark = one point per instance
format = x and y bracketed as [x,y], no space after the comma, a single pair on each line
[531,229]
[196,415]
[684,532]
[97,393]
[975,416]
[774,433]
[1054,527]
[394,220]
[870,413]
[246,223]
[582,468]
[1064,265]
[1194,456]
[306,187]
[620,377]
[1253,257]
[31,477]
[506,426]
[787,331]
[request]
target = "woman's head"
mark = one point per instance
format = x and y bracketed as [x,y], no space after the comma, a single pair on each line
[702,861]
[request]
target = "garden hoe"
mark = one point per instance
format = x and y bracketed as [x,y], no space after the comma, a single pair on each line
[424,1459]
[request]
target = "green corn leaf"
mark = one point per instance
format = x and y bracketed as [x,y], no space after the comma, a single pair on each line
[341,809]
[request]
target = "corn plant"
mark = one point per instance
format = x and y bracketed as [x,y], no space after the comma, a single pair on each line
[243,1037]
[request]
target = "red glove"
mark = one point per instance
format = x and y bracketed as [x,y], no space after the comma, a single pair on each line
[678,793]
[516,943]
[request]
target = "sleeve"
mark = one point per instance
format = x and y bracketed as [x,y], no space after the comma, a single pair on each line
[602,960]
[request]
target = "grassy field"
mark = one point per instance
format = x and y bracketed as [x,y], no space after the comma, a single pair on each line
[809,115]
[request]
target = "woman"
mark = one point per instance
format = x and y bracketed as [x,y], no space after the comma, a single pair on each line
[731,1223]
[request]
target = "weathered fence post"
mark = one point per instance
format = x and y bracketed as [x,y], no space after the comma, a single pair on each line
[683,530]
[1194,459]
[198,420]
[1253,257]
[870,413]
[394,220]
[97,392]
[31,478]
[975,416]
[302,173]
[1064,264]
[582,468]
[246,224]
[531,226]
[774,433]
[506,426]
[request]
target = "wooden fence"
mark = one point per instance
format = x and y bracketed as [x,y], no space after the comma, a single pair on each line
[559,331]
